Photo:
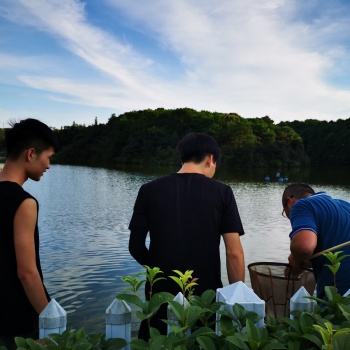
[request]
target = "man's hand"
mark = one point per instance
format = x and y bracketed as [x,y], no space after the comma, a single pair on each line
[295,269]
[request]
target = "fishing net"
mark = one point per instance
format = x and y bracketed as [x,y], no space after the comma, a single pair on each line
[271,285]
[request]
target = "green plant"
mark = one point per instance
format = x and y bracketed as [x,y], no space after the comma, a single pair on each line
[71,340]
[327,327]
[208,305]
[333,338]
[148,308]
[255,339]
[151,275]
[185,281]
[299,333]
[237,321]
[335,263]
[134,281]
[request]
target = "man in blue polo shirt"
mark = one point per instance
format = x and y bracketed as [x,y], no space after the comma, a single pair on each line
[319,222]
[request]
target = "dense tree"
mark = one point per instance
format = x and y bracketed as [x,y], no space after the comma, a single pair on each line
[149,137]
[325,143]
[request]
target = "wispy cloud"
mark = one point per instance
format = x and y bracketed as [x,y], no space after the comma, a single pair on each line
[280,58]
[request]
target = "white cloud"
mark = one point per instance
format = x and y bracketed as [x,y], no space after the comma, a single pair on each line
[247,57]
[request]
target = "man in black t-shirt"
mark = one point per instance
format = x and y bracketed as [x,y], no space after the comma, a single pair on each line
[185,214]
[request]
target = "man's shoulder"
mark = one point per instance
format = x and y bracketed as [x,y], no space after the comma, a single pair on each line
[159,180]
[194,177]
[14,189]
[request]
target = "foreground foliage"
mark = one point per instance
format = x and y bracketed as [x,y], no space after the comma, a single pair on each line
[328,327]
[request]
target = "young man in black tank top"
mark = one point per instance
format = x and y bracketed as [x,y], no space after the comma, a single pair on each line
[30,145]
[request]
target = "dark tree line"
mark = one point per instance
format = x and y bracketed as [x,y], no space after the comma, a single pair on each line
[149,137]
[325,143]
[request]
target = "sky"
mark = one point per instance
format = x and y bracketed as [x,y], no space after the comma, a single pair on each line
[65,61]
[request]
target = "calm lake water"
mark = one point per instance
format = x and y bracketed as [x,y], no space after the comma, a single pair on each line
[83,223]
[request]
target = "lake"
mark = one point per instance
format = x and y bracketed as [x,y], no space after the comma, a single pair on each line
[85,213]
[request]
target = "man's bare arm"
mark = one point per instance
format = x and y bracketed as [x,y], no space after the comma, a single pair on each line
[24,228]
[234,257]
[303,245]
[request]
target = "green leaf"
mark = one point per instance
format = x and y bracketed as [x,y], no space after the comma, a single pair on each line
[226,324]
[341,332]
[252,332]
[202,331]
[132,299]
[206,343]
[293,345]
[139,344]
[208,296]
[115,344]
[273,346]
[324,333]
[237,341]
[33,345]
[239,310]
[157,343]
[178,281]
[84,346]
[253,344]
[192,315]
[20,342]
[190,285]
[177,309]
[175,328]
[158,279]
[345,311]
[343,257]
[306,322]
[341,342]
[154,332]
[139,284]
[158,299]
[292,323]
[143,316]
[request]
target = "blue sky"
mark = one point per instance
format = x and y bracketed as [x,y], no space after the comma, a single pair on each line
[68,60]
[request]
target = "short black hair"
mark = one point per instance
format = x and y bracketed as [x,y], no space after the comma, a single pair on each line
[298,191]
[29,133]
[194,147]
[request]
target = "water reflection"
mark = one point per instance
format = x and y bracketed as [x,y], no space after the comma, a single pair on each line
[83,222]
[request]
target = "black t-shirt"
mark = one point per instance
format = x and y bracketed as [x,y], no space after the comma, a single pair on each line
[17,316]
[186,214]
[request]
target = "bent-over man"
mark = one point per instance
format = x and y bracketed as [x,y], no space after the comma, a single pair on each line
[319,222]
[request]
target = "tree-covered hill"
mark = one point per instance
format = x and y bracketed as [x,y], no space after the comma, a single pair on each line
[325,143]
[149,137]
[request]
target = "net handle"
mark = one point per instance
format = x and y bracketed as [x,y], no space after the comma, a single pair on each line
[330,249]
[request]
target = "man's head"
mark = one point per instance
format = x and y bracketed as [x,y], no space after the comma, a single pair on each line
[195,147]
[294,192]
[29,133]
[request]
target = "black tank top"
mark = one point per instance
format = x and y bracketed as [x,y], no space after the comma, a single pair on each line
[17,316]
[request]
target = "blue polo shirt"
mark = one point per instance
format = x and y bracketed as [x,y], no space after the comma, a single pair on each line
[330,220]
